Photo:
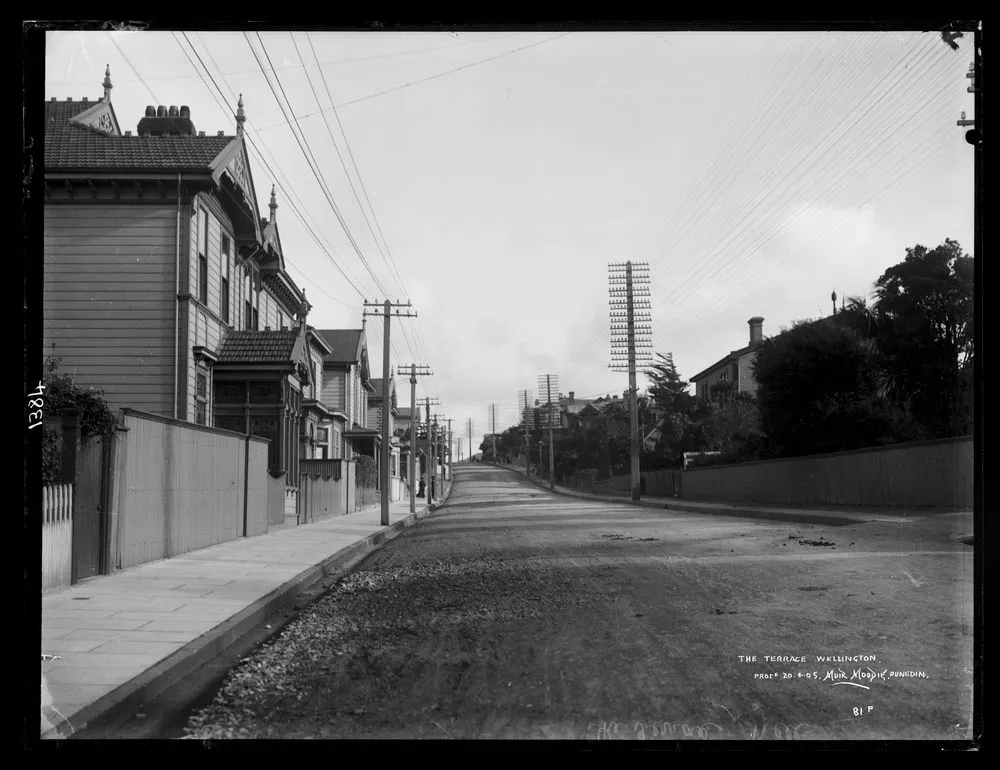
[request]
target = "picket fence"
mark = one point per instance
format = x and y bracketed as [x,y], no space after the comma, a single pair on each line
[57,536]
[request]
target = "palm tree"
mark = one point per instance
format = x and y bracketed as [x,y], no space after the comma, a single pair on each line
[862,318]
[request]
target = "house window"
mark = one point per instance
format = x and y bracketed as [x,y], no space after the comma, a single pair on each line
[201,396]
[322,442]
[251,287]
[224,291]
[203,255]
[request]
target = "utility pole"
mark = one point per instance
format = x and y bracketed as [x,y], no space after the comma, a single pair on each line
[493,431]
[471,448]
[631,341]
[427,453]
[524,405]
[386,406]
[438,449]
[449,444]
[548,384]
[424,371]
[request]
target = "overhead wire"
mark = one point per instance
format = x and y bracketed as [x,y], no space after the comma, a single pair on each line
[387,253]
[277,176]
[432,77]
[861,158]
[307,153]
[751,215]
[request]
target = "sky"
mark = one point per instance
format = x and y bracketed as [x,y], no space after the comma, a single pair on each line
[490,177]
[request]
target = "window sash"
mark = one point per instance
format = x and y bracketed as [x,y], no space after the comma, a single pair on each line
[203,278]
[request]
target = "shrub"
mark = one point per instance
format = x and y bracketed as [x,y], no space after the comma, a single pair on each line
[365,473]
[61,393]
[51,457]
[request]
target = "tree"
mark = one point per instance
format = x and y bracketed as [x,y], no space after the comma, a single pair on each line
[920,331]
[677,406]
[817,391]
[925,306]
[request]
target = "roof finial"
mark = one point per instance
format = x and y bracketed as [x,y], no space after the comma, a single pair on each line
[107,83]
[274,204]
[240,116]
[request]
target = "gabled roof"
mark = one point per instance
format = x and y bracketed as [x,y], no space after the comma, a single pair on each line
[346,345]
[726,359]
[73,146]
[256,347]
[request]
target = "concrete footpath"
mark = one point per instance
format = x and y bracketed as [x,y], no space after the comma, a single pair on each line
[114,642]
[829,515]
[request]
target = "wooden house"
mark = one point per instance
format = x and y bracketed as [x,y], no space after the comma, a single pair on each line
[163,285]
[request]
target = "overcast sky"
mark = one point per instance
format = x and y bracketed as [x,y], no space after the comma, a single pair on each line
[756,172]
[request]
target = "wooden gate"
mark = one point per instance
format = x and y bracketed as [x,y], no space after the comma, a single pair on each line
[88,495]
[275,500]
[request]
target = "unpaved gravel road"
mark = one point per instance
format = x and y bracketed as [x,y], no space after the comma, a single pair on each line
[514,613]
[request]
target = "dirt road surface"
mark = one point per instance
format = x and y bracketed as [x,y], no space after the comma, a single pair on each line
[517,614]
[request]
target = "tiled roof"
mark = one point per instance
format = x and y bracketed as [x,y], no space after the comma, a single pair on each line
[254,347]
[344,344]
[72,146]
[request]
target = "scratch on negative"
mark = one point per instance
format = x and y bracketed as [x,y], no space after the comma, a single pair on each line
[442,729]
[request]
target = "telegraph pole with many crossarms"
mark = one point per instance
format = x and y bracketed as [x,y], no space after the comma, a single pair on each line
[548,384]
[631,341]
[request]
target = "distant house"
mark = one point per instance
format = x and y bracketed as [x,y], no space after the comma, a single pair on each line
[383,420]
[347,387]
[736,366]
[405,431]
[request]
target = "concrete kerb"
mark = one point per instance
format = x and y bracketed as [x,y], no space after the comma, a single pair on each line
[724,509]
[120,703]
[447,493]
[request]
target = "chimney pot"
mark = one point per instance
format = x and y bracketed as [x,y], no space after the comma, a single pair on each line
[128,133]
[221,133]
[69,98]
[756,330]
[185,111]
[150,111]
[201,133]
[85,99]
[161,111]
[52,99]
[174,113]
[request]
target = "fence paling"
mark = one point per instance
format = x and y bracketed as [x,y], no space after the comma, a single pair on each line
[57,536]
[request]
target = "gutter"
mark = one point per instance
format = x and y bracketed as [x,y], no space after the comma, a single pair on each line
[177,291]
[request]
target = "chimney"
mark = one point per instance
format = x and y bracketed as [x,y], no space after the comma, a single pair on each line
[164,121]
[571,396]
[756,333]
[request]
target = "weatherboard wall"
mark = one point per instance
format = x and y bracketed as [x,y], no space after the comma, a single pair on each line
[108,298]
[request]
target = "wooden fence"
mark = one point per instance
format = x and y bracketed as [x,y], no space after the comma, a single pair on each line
[275,501]
[181,486]
[57,536]
[937,473]
[366,497]
[322,489]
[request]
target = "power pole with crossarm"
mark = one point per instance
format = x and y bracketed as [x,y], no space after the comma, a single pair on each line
[386,306]
[416,370]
